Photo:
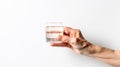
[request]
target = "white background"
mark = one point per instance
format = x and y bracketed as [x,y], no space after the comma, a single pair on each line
[22,31]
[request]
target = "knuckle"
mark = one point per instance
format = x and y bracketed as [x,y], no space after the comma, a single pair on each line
[77,30]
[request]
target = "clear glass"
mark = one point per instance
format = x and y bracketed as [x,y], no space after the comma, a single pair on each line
[53,30]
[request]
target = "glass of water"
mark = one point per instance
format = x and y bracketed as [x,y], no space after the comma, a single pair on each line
[53,30]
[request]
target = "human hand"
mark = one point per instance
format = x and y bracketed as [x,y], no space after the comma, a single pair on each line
[73,39]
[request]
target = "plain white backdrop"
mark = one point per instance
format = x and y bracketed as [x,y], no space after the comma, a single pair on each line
[22,31]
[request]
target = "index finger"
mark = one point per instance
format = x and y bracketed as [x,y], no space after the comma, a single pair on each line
[67,30]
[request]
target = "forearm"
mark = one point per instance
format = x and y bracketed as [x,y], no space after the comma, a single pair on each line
[105,54]
[97,51]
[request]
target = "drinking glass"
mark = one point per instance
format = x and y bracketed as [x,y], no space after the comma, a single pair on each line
[53,30]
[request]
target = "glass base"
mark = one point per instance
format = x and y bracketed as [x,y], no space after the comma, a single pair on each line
[53,40]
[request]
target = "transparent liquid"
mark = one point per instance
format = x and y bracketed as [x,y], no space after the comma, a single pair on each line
[52,33]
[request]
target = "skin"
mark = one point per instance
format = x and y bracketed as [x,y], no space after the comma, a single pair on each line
[73,39]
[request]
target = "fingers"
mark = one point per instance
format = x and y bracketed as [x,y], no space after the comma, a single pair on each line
[75,33]
[64,38]
[59,44]
[62,44]
[67,31]
[69,38]
[72,32]
[64,41]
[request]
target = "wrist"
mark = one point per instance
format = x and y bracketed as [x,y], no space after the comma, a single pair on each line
[84,46]
[82,43]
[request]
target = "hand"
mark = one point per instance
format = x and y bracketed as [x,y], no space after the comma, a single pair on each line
[73,39]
